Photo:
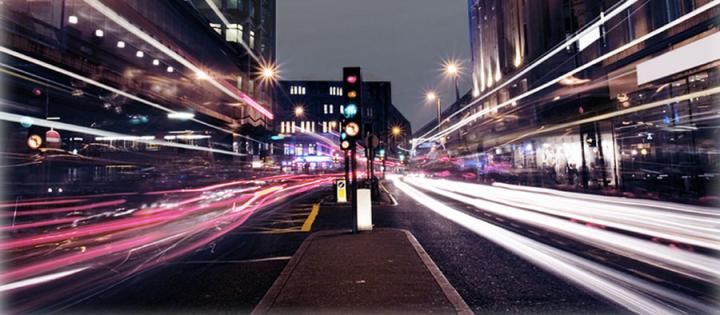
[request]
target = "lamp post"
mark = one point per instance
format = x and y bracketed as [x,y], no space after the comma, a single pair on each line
[431,96]
[452,69]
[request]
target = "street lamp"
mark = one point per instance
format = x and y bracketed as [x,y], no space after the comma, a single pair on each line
[396,131]
[299,111]
[452,70]
[268,73]
[431,96]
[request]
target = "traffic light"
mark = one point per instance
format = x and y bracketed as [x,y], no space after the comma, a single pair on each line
[352,113]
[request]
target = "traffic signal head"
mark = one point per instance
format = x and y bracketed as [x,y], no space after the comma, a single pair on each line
[345,145]
[352,129]
[352,112]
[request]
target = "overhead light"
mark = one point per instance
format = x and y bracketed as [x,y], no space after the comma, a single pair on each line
[156,62]
[120,44]
[170,69]
[181,116]
[73,19]
[139,54]
[99,33]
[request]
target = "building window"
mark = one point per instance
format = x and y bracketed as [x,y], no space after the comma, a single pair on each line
[252,40]
[217,27]
[311,149]
[325,109]
[233,33]
[342,110]
[297,90]
[299,149]
[331,108]
[325,126]
[239,83]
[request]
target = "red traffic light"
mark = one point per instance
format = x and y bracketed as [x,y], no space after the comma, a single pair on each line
[345,145]
[352,79]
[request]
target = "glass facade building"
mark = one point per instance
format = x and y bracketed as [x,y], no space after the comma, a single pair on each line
[588,96]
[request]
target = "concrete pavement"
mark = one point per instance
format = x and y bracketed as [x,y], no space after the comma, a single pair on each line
[383,271]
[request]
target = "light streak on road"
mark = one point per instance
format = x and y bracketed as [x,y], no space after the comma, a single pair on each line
[220,85]
[585,66]
[119,242]
[636,295]
[39,280]
[513,205]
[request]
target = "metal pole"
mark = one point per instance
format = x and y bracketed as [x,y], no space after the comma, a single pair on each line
[438,112]
[353,187]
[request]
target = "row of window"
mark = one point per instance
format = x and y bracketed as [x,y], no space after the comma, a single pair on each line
[298,149]
[290,126]
[336,91]
[297,90]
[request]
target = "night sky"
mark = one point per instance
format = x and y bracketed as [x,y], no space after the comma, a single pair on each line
[402,41]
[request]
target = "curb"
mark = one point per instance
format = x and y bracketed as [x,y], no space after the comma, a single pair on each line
[266,303]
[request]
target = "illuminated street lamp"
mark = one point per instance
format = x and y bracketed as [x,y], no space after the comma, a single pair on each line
[396,131]
[452,70]
[431,96]
[299,111]
[267,73]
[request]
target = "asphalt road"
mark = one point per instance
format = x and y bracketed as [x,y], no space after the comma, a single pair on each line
[489,278]
[233,274]
[230,275]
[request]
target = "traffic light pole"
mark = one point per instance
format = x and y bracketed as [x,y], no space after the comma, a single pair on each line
[347,167]
[354,186]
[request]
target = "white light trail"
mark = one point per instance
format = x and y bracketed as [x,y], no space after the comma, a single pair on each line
[103,86]
[615,286]
[225,88]
[559,48]
[39,280]
[107,134]
[600,59]
[513,206]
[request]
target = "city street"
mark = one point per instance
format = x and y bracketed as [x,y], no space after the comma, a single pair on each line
[360,157]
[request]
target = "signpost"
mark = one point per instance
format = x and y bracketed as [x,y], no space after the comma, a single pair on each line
[341,190]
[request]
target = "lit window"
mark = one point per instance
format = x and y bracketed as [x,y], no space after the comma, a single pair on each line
[239,83]
[342,110]
[234,33]
[303,91]
[217,27]
[252,39]
[325,125]
[298,149]
[325,109]
[312,126]
[311,149]
[331,108]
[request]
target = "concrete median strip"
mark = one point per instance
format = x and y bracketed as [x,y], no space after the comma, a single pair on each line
[384,271]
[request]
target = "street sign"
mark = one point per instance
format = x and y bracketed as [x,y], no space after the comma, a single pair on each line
[341,190]
[34,142]
[52,138]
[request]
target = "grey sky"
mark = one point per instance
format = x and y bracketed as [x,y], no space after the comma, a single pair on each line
[403,41]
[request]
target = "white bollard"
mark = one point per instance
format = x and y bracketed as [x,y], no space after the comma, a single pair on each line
[364,210]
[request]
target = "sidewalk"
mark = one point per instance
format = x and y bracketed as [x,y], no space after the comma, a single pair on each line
[383,271]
